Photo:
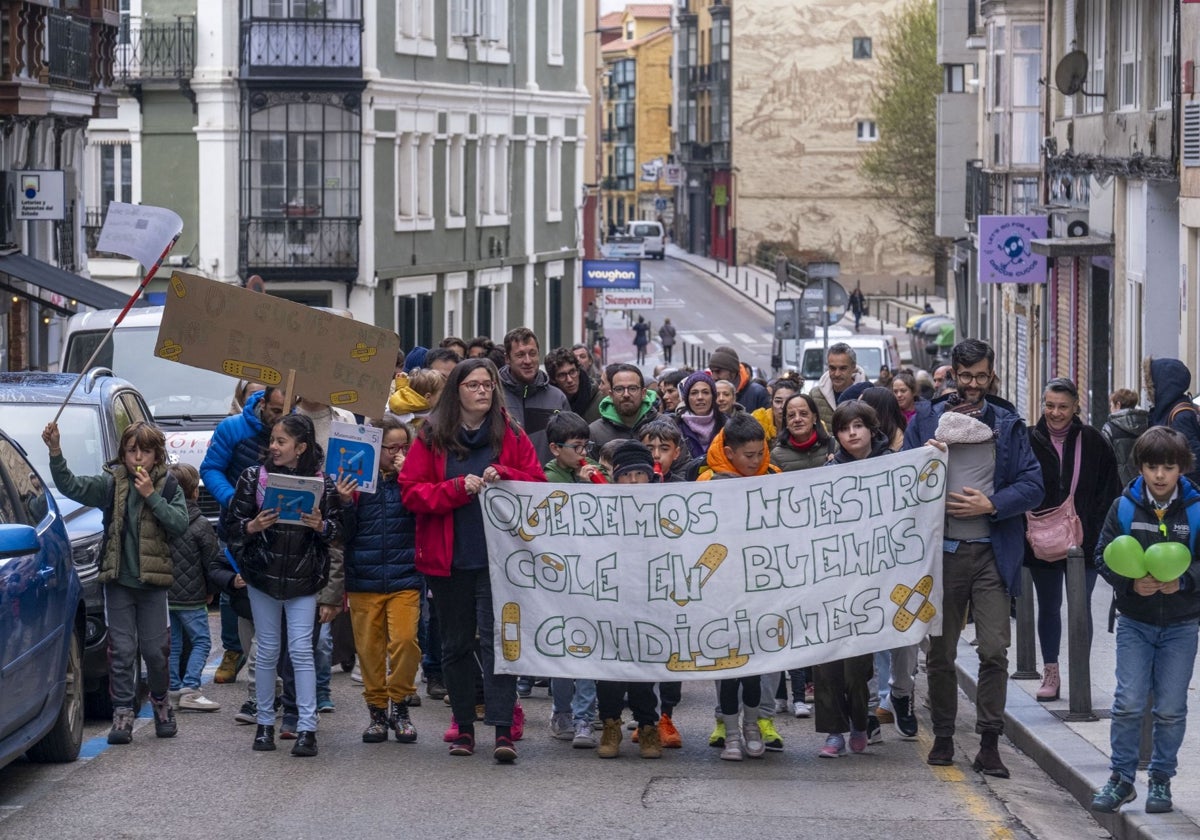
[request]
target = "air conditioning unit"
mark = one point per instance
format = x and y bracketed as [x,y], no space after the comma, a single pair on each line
[1070,224]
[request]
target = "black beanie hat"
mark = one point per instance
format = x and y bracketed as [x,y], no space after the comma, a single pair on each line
[853,392]
[631,457]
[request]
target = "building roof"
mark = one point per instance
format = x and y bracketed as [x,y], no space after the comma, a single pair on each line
[649,10]
[612,20]
[621,45]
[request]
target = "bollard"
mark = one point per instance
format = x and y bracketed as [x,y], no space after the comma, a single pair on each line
[897,287]
[1026,631]
[1079,638]
[756,287]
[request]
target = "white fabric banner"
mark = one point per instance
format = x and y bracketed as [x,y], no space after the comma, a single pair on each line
[720,578]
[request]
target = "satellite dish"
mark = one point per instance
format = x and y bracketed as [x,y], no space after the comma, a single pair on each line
[1071,73]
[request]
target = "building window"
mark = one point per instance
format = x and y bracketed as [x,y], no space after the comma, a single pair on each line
[456,170]
[1023,196]
[116,173]
[868,132]
[630,30]
[997,81]
[554,179]
[414,179]
[862,48]
[1095,42]
[1129,34]
[415,27]
[1166,58]
[492,180]
[486,20]
[554,31]
[956,78]
[1026,89]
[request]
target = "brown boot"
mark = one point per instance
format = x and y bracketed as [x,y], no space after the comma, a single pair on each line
[610,739]
[942,754]
[648,741]
[987,760]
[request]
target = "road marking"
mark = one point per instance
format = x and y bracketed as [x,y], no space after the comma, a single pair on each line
[745,339]
[718,338]
[980,809]
[688,338]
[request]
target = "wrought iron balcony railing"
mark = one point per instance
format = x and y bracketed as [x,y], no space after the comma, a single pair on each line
[157,50]
[984,193]
[69,49]
[300,243]
[272,46]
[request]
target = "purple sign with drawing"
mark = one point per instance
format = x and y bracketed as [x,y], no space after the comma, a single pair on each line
[1005,255]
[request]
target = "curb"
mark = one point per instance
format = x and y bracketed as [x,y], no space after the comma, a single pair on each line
[1071,760]
[734,286]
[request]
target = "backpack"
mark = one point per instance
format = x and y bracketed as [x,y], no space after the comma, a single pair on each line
[1183,406]
[1125,510]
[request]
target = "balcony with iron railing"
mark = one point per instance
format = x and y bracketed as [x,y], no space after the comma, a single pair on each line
[69,50]
[300,247]
[156,50]
[274,47]
[984,192]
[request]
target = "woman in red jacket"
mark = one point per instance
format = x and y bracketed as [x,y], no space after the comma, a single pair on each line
[467,442]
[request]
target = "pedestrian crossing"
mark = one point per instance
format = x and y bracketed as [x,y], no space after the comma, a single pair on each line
[709,338]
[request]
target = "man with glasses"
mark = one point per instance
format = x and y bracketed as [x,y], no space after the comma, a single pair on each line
[983,546]
[841,371]
[629,407]
[568,375]
[529,396]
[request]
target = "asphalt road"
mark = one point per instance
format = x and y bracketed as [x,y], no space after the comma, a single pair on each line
[207,782]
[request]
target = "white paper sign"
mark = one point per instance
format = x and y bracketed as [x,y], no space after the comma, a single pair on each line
[716,579]
[138,231]
[354,451]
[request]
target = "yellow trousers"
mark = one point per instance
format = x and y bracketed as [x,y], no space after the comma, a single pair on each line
[385,638]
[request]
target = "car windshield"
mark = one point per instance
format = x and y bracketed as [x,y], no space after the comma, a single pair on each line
[79,430]
[870,359]
[645,230]
[171,389]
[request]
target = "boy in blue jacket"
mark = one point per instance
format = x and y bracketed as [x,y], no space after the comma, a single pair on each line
[1157,628]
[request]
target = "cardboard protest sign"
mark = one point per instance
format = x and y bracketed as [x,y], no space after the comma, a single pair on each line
[716,579]
[249,335]
[354,451]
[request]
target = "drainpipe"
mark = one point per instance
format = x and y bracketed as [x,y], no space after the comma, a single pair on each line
[1044,294]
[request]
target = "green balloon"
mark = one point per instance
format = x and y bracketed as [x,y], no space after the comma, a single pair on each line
[1168,560]
[1124,556]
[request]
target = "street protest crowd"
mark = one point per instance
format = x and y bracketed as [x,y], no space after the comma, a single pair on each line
[396,581]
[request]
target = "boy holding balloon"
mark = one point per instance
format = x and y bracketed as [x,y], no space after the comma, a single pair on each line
[1147,552]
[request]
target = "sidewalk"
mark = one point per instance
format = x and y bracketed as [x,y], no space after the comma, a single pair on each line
[1075,754]
[761,287]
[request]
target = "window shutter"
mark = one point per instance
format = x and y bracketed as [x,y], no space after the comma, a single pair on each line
[1191,134]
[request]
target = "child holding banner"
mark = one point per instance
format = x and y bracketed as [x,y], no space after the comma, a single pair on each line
[574,700]
[842,688]
[631,464]
[739,451]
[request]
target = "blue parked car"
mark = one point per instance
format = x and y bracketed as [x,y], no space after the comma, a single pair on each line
[100,409]
[42,618]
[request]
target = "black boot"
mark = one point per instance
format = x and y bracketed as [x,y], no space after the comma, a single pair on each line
[402,725]
[942,754]
[164,717]
[987,761]
[264,738]
[377,731]
[306,744]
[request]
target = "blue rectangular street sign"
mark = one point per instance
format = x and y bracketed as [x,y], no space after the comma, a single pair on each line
[611,274]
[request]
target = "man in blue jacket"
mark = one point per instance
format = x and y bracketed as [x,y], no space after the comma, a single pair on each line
[239,441]
[984,571]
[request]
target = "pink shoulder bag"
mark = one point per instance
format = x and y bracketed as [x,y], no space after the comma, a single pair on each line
[1051,532]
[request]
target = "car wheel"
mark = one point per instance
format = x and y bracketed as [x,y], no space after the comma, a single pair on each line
[62,743]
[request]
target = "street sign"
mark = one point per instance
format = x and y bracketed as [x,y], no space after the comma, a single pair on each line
[673,175]
[660,204]
[812,302]
[611,274]
[40,194]
[641,298]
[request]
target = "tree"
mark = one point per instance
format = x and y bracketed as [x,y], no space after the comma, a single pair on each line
[902,163]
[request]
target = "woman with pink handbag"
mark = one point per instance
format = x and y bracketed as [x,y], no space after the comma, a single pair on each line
[1079,472]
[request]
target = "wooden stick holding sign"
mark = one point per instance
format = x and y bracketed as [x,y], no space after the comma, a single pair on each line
[145,233]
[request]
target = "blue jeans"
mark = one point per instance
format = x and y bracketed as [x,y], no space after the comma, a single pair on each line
[301,615]
[323,658]
[1151,659]
[577,695]
[193,626]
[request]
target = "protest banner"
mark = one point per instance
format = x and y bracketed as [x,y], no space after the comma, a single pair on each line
[716,579]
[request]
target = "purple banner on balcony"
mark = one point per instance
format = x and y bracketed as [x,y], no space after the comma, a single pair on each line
[1005,255]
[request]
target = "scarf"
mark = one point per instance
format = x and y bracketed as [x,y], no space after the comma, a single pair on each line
[805,445]
[955,403]
[1059,439]
[702,426]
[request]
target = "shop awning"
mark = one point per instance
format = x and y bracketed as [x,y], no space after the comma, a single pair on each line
[53,279]
[1073,246]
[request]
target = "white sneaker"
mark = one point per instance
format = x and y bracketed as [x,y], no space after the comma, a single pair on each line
[195,701]
[733,747]
[752,741]
[356,674]
[781,706]
[585,738]
[801,709]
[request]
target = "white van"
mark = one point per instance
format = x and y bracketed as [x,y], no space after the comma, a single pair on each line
[654,239]
[872,351]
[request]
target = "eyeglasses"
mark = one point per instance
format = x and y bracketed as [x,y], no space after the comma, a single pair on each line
[397,447]
[567,374]
[578,448]
[626,389]
[482,385]
[977,378]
